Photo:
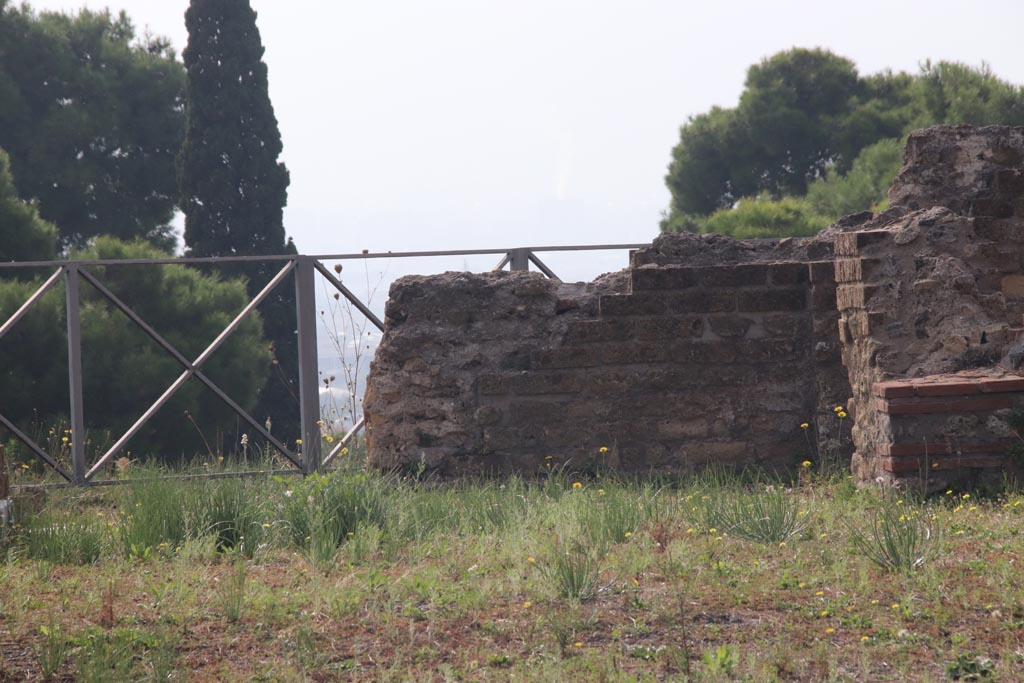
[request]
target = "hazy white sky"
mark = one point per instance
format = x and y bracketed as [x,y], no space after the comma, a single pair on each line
[442,124]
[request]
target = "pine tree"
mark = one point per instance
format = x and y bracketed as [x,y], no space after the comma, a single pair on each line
[233,188]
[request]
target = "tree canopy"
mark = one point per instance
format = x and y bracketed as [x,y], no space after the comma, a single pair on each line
[26,237]
[809,125]
[233,188]
[92,118]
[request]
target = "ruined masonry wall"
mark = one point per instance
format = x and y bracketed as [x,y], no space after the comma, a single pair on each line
[671,367]
[714,350]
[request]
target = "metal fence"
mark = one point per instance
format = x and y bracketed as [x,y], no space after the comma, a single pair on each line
[310,457]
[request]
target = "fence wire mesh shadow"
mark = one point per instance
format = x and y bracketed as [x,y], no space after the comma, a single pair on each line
[307,459]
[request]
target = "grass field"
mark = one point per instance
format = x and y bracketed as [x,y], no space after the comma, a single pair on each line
[358,577]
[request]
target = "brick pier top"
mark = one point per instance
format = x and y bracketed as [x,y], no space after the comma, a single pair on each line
[965,383]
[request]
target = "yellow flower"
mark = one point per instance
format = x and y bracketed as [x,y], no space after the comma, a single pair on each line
[838,409]
[531,560]
[820,593]
[805,463]
[602,449]
[298,442]
[804,425]
[344,451]
[895,605]
[782,544]
[578,644]
[600,492]
[830,630]
[949,492]
[629,534]
[864,639]
[25,467]
[824,612]
[577,485]
[527,605]
[841,414]
[966,496]
[265,525]
[330,439]
[874,602]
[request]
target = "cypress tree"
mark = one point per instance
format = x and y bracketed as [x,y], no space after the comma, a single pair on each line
[232,187]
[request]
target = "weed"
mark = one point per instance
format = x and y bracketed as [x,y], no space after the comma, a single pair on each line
[65,538]
[721,661]
[53,648]
[899,538]
[772,516]
[231,592]
[968,667]
[573,574]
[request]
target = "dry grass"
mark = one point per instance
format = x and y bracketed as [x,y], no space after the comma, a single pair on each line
[446,583]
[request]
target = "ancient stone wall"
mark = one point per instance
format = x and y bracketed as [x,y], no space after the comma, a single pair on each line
[700,352]
[713,350]
[929,288]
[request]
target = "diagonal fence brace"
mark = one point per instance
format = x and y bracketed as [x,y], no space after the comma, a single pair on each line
[202,358]
[178,356]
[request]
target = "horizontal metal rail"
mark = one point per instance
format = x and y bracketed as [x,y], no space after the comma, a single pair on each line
[220,260]
[305,267]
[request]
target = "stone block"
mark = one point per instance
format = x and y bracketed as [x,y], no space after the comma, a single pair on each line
[790,299]
[591,331]
[729,325]
[701,301]
[666,277]
[567,357]
[1013,286]
[788,273]
[741,275]
[529,383]
[643,303]
[663,328]
[822,272]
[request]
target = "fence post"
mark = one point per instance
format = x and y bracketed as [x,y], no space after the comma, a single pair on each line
[75,374]
[519,259]
[309,381]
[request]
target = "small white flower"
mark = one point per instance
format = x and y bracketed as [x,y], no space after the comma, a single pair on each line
[288,493]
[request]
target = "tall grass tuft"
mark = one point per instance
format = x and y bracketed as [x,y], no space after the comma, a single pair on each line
[234,513]
[65,538]
[573,574]
[153,515]
[322,512]
[772,516]
[899,538]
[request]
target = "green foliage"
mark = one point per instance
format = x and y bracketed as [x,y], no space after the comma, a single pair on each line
[233,189]
[804,118]
[756,217]
[771,516]
[232,592]
[898,539]
[65,538]
[573,574]
[863,187]
[231,185]
[53,649]
[92,119]
[26,236]
[950,92]
[123,370]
